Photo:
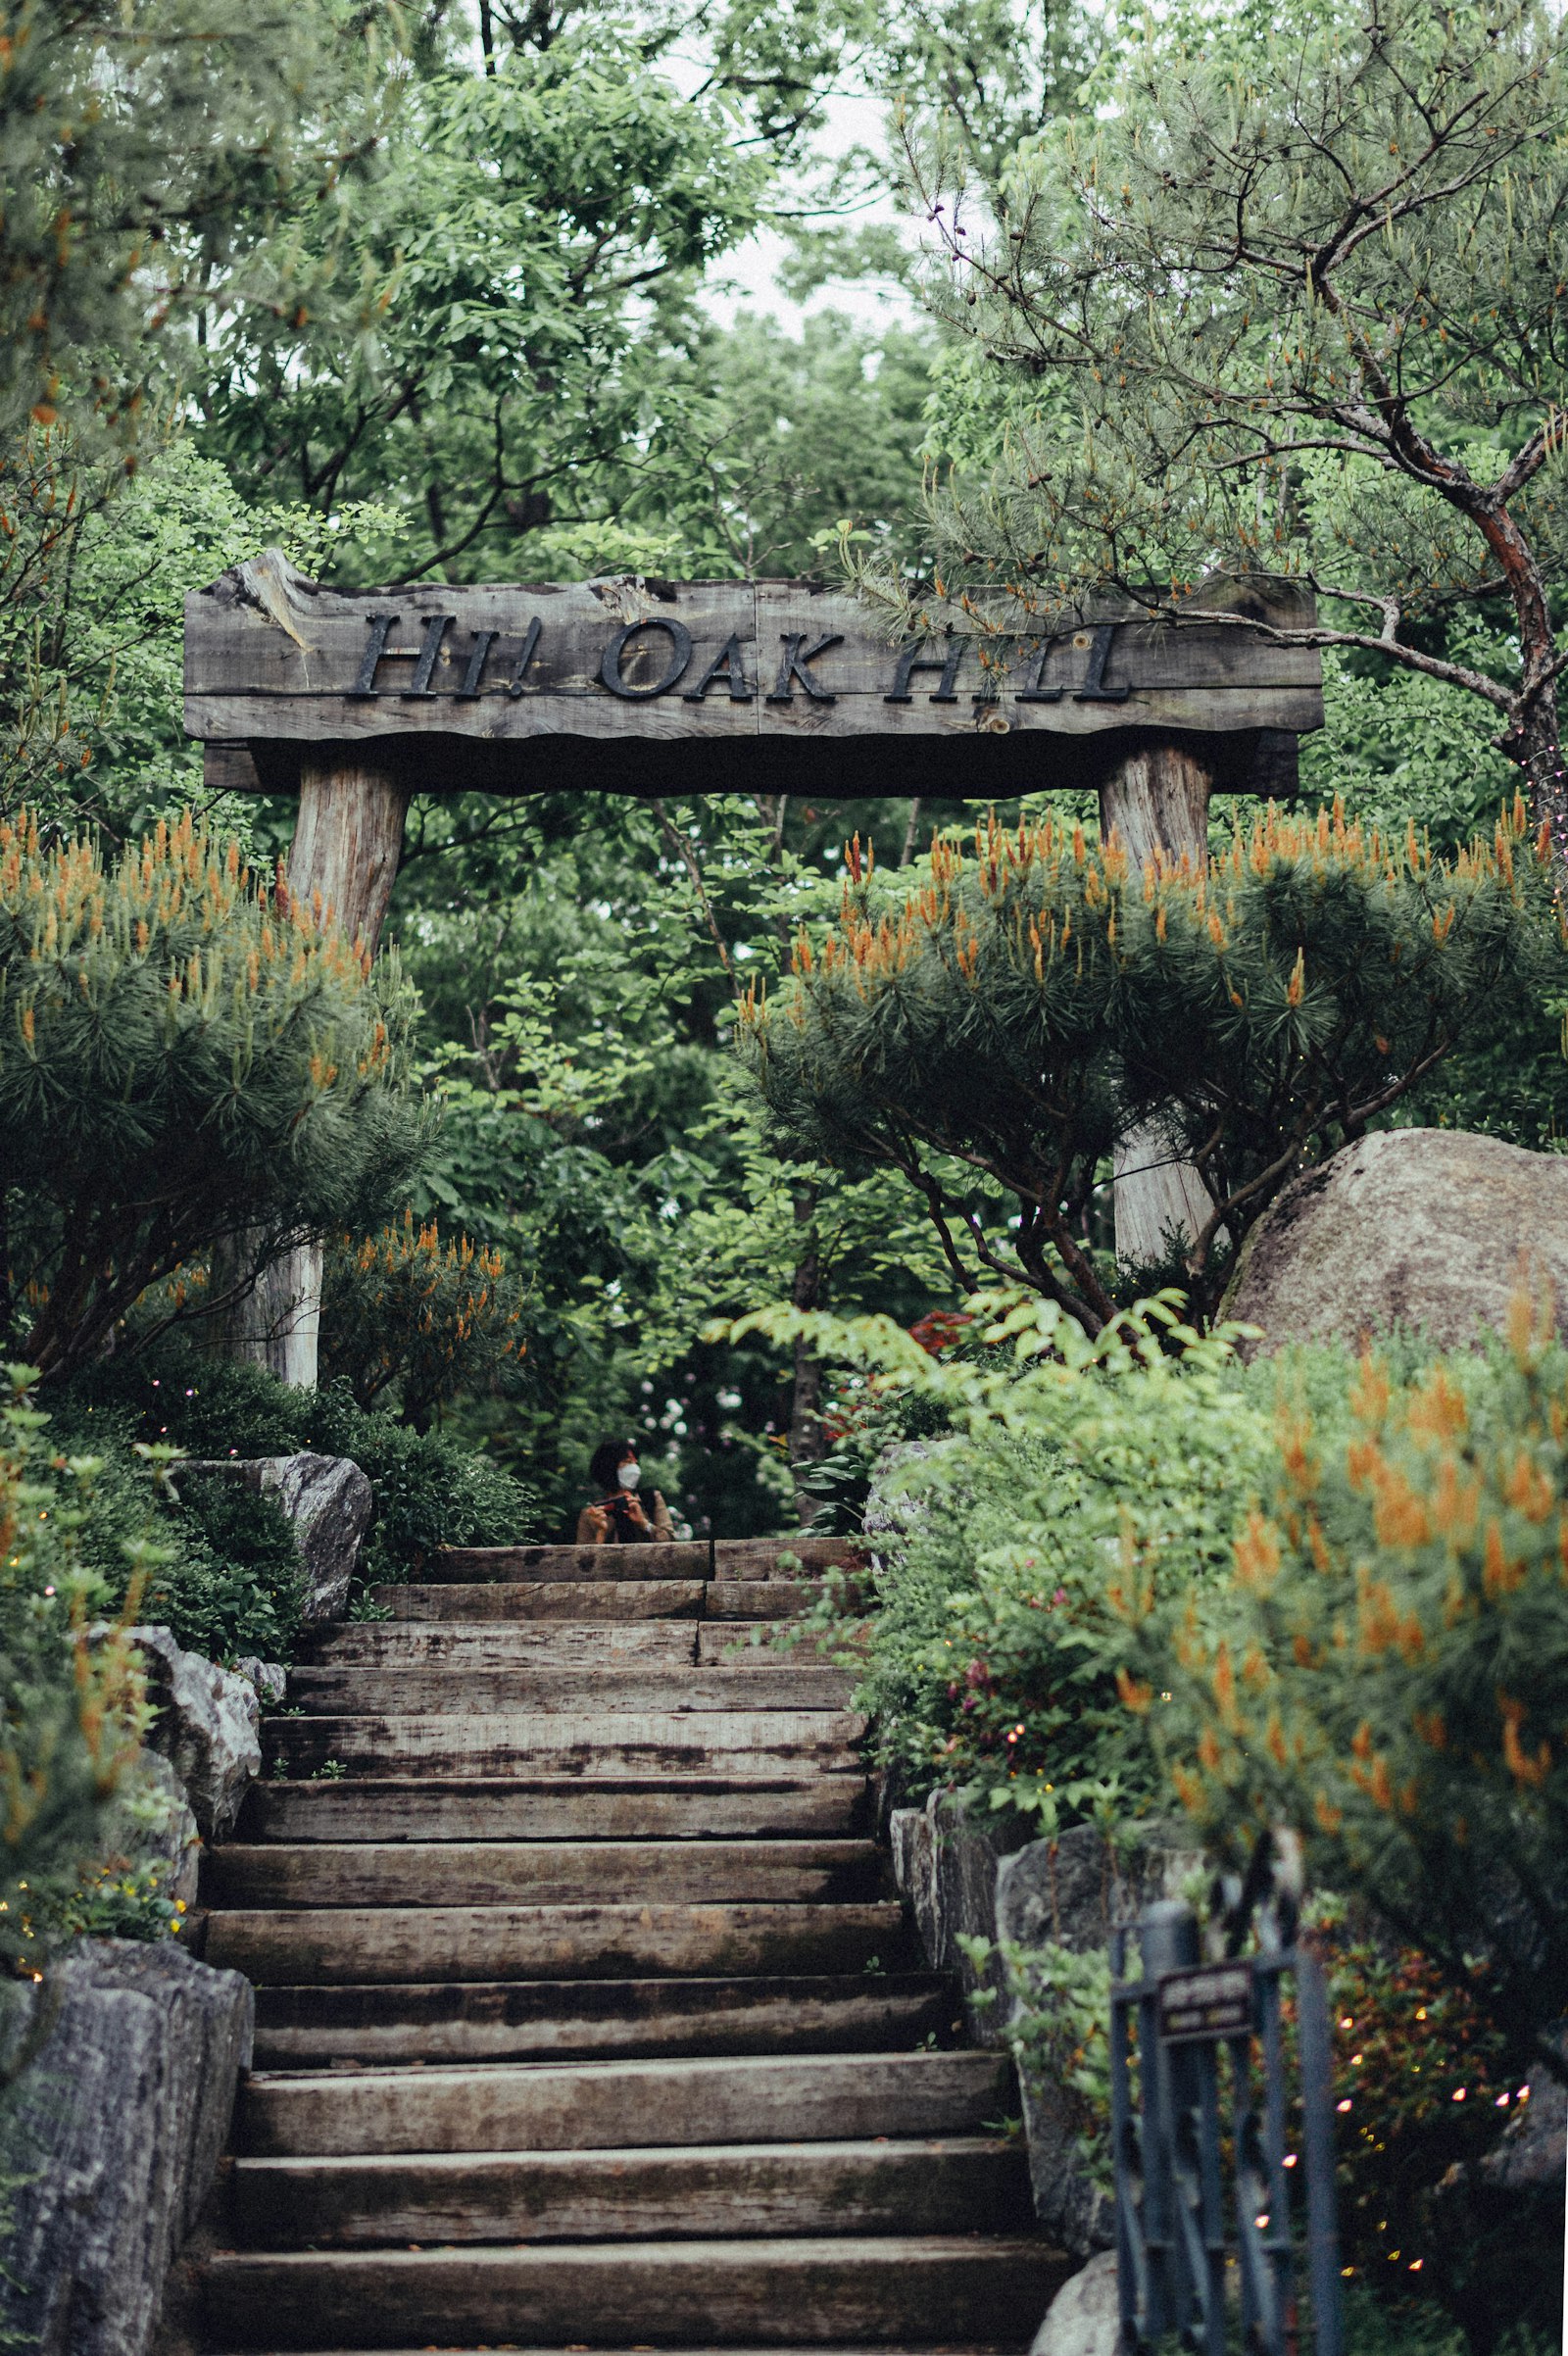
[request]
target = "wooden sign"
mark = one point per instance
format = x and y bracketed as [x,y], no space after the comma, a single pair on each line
[717,681]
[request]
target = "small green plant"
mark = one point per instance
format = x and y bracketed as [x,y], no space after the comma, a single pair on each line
[330,1771]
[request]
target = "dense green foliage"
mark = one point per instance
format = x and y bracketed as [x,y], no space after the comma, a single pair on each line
[71,1712]
[1285,297]
[430,1490]
[1022,1011]
[404,1314]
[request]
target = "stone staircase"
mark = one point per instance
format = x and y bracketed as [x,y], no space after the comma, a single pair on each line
[586,2014]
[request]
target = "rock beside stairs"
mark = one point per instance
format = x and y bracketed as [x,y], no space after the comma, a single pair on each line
[588,2014]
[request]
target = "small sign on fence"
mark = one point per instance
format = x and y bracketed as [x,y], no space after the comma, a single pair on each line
[1211,2167]
[1214,2001]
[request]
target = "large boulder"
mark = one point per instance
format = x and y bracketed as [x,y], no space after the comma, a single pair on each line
[207,1727]
[1430,1229]
[326,1502]
[111,2140]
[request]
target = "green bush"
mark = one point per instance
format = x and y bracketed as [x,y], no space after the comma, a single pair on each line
[71,1712]
[992,1653]
[187,1058]
[431,1491]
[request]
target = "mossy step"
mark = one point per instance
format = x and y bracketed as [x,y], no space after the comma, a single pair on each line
[343,1944]
[584,1741]
[541,1873]
[692,1808]
[365,1689]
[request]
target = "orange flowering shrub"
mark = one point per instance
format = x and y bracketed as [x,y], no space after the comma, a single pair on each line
[1388,1669]
[185,1052]
[404,1311]
[1024,1005]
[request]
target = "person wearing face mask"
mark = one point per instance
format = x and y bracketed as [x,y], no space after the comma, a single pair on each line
[619,1516]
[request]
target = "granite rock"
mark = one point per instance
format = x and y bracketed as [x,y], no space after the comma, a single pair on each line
[1428,1229]
[1070,1892]
[116,2128]
[327,1502]
[1084,2318]
[269,1677]
[945,1863]
[207,1727]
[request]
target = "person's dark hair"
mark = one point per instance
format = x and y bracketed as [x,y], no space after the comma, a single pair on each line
[607,1461]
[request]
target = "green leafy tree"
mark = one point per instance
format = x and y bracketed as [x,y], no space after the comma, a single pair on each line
[1019,1010]
[153,150]
[529,257]
[184,1054]
[1285,299]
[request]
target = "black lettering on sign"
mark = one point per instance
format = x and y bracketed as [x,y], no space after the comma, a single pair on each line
[728,663]
[680,654]
[792,666]
[381,628]
[483,640]
[1094,689]
[1033,692]
[435,629]
[525,655]
[911,658]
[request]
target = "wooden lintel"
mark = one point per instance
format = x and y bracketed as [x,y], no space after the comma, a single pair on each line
[648,687]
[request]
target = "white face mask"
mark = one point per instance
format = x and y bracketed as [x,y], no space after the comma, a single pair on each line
[629,1475]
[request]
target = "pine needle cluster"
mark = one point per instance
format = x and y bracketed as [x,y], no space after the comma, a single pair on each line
[186,1051]
[1034,999]
[404,1309]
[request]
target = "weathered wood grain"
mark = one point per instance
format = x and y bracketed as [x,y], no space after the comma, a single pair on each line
[716,664]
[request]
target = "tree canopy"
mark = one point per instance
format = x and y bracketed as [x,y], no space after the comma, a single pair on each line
[1289,299]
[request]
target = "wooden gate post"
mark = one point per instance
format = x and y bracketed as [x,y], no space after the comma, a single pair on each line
[1157,799]
[348,839]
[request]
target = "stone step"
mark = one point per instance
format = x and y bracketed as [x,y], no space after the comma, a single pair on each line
[497,1644]
[602,1599]
[957,2185]
[738,2098]
[383,1809]
[543,1872]
[325,1945]
[757,1558]
[362,1690]
[934,2289]
[559,1742]
[398,2024]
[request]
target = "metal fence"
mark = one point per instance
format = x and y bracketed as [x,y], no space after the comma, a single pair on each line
[1195,2257]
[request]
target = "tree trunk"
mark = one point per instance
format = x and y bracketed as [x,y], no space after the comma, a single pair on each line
[347,838]
[806,1393]
[1156,800]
